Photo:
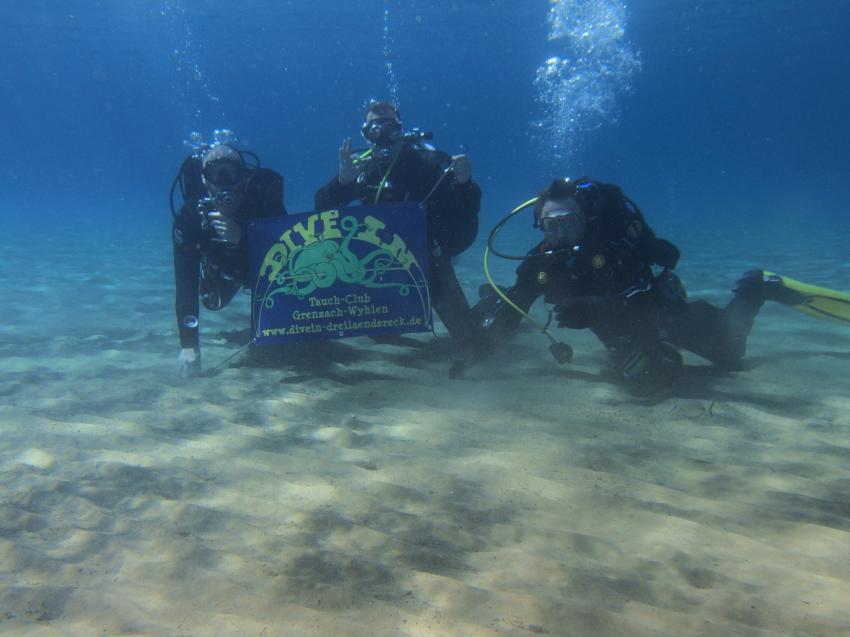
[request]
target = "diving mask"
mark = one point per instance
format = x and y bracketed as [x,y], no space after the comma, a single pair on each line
[382,131]
[223,173]
[563,227]
[224,179]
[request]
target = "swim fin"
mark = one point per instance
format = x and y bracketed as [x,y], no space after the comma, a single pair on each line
[811,299]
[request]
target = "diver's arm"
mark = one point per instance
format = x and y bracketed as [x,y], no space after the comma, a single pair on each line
[454,222]
[648,246]
[264,198]
[494,314]
[461,168]
[580,312]
[453,215]
[334,194]
[665,253]
[523,295]
[466,200]
[653,250]
[348,170]
[344,187]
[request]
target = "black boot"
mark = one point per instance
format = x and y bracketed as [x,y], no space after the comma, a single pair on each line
[759,286]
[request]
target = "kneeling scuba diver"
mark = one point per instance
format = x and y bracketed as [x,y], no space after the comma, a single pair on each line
[221,193]
[592,268]
[595,268]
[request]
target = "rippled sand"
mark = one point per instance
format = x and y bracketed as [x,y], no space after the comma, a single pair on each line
[351,488]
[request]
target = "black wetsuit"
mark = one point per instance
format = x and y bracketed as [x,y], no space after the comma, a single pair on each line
[452,220]
[210,270]
[609,286]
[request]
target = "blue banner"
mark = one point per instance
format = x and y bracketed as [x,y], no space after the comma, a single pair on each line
[338,273]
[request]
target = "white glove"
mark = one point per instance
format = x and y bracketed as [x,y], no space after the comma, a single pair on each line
[189,363]
[347,168]
[461,168]
[228,229]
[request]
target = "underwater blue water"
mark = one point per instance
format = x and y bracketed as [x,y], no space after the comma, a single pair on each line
[738,108]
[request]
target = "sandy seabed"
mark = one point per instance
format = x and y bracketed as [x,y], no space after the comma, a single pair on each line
[352,488]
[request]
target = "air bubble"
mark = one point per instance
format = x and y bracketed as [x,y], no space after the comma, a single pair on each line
[579,87]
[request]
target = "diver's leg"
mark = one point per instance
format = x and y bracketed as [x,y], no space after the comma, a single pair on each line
[451,306]
[718,335]
[639,347]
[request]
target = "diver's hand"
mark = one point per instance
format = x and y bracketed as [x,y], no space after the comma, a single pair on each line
[228,229]
[575,313]
[461,168]
[189,362]
[347,168]
[580,312]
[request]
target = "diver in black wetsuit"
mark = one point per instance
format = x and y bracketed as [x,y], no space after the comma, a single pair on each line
[400,167]
[221,194]
[595,265]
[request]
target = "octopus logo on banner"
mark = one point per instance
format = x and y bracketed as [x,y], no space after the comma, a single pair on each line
[337,273]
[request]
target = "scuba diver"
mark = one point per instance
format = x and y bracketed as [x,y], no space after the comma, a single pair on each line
[400,166]
[221,193]
[595,266]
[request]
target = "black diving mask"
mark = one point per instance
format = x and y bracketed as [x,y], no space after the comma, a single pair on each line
[382,131]
[563,227]
[223,173]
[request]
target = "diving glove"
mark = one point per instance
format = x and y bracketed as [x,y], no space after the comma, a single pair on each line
[189,363]
[583,311]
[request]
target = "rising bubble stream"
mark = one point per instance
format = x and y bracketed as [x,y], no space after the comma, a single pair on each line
[592,65]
